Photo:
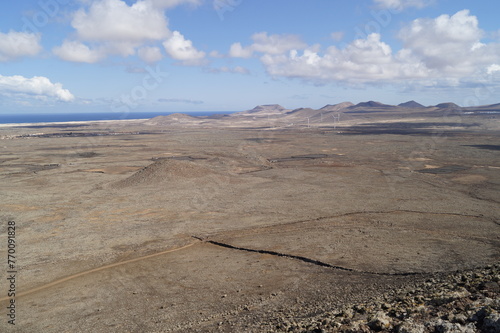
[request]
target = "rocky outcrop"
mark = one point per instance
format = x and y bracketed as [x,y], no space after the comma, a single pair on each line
[465,302]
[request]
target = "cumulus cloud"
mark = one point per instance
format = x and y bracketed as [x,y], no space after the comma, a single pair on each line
[402,4]
[268,44]
[361,61]
[14,45]
[114,20]
[493,69]
[78,52]
[445,49]
[114,27]
[150,54]
[179,48]
[276,44]
[449,44]
[38,87]
[238,51]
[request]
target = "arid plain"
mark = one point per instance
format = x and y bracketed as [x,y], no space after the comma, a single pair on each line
[182,224]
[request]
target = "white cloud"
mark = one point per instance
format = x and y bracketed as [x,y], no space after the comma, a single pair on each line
[14,45]
[114,27]
[37,87]
[276,44]
[115,21]
[493,68]
[445,49]
[449,45]
[268,44]
[78,52]
[402,4]
[238,51]
[363,60]
[150,54]
[179,48]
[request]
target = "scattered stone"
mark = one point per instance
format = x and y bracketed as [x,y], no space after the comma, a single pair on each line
[443,326]
[380,321]
[491,323]
[410,327]
[490,286]
[461,302]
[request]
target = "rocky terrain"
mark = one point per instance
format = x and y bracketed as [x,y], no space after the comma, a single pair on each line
[349,218]
[467,301]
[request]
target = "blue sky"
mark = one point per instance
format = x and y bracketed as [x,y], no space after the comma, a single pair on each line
[230,55]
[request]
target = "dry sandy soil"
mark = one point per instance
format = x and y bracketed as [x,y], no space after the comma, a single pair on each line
[133,227]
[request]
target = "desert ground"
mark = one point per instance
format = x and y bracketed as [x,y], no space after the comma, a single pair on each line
[227,224]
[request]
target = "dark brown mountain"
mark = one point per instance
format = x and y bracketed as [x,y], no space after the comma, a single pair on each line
[371,104]
[411,104]
[448,106]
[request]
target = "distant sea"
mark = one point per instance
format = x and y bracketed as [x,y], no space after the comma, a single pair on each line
[22,118]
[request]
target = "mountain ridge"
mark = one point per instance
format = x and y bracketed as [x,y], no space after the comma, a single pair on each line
[411,104]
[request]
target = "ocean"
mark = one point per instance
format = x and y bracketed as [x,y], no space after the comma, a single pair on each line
[22,118]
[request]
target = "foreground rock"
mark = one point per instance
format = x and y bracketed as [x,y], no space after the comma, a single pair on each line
[461,302]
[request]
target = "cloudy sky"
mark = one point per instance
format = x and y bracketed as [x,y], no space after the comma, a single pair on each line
[230,55]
